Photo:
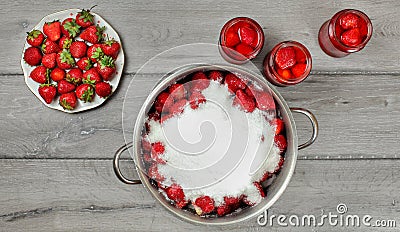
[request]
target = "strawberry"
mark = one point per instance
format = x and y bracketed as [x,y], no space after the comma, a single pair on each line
[157,150]
[40,74]
[49,46]
[300,55]
[35,38]
[176,194]
[52,30]
[298,70]
[106,67]
[280,142]
[247,103]
[351,37]
[85,92]
[199,82]
[264,101]
[65,60]
[111,48]
[163,102]
[234,83]
[49,60]
[260,188]
[285,73]
[216,76]
[249,91]
[196,99]
[231,38]
[204,205]
[265,177]
[244,49]
[95,53]
[223,210]
[153,173]
[349,21]
[65,87]
[93,34]
[74,76]
[65,42]
[91,76]
[84,63]
[363,28]
[84,18]
[32,56]
[230,204]
[103,89]
[177,91]
[47,92]
[247,35]
[280,164]
[78,49]
[278,124]
[178,107]
[285,57]
[57,74]
[68,100]
[69,28]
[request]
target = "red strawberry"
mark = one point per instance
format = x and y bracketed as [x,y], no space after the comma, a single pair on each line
[85,92]
[216,76]
[247,35]
[280,164]
[111,48]
[260,188]
[300,55]
[163,102]
[278,124]
[280,142]
[234,83]
[65,60]
[40,74]
[298,70]
[230,204]
[153,173]
[265,177]
[74,76]
[349,21]
[157,149]
[176,194]
[264,101]
[351,37]
[65,42]
[84,18]
[249,91]
[231,38]
[285,57]
[32,56]
[246,102]
[205,204]
[65,87]
[91,76]
[49,46]
[49,60]
[78,49]
[178,107]
[103,89]
[95,53]
[47,92]
[57,74]
[199,82]
[196,99]
[244,49]
[223,210]
[285,73]
[69,28]
[84,63]
[52,30]
[35,38]
[68,100]
[363,29]
[177,91]
[93,34]
[106,68]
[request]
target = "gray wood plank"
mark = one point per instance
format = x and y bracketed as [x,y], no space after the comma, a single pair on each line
[84,195]
[358,117]
[150,28]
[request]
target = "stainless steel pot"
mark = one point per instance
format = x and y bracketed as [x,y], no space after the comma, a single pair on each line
[274,191]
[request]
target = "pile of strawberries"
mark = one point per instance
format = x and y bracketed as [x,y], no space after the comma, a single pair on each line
[173,101]
[290,62]
[351,29]
[72,59]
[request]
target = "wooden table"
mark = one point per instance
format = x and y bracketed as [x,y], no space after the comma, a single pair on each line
[55,168]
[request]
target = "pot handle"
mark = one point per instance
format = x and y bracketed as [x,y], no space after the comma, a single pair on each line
[116,165]
[314,124]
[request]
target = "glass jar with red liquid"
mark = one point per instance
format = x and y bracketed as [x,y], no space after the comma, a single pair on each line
[346,32]
[241,39]
[288,63]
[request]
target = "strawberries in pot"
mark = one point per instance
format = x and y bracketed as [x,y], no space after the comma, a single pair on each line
[234,83]
[163,102]
[280,142]
[285,57]
[204,205]
[245,101]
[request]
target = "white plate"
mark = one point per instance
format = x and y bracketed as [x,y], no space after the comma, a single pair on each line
[81,106]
